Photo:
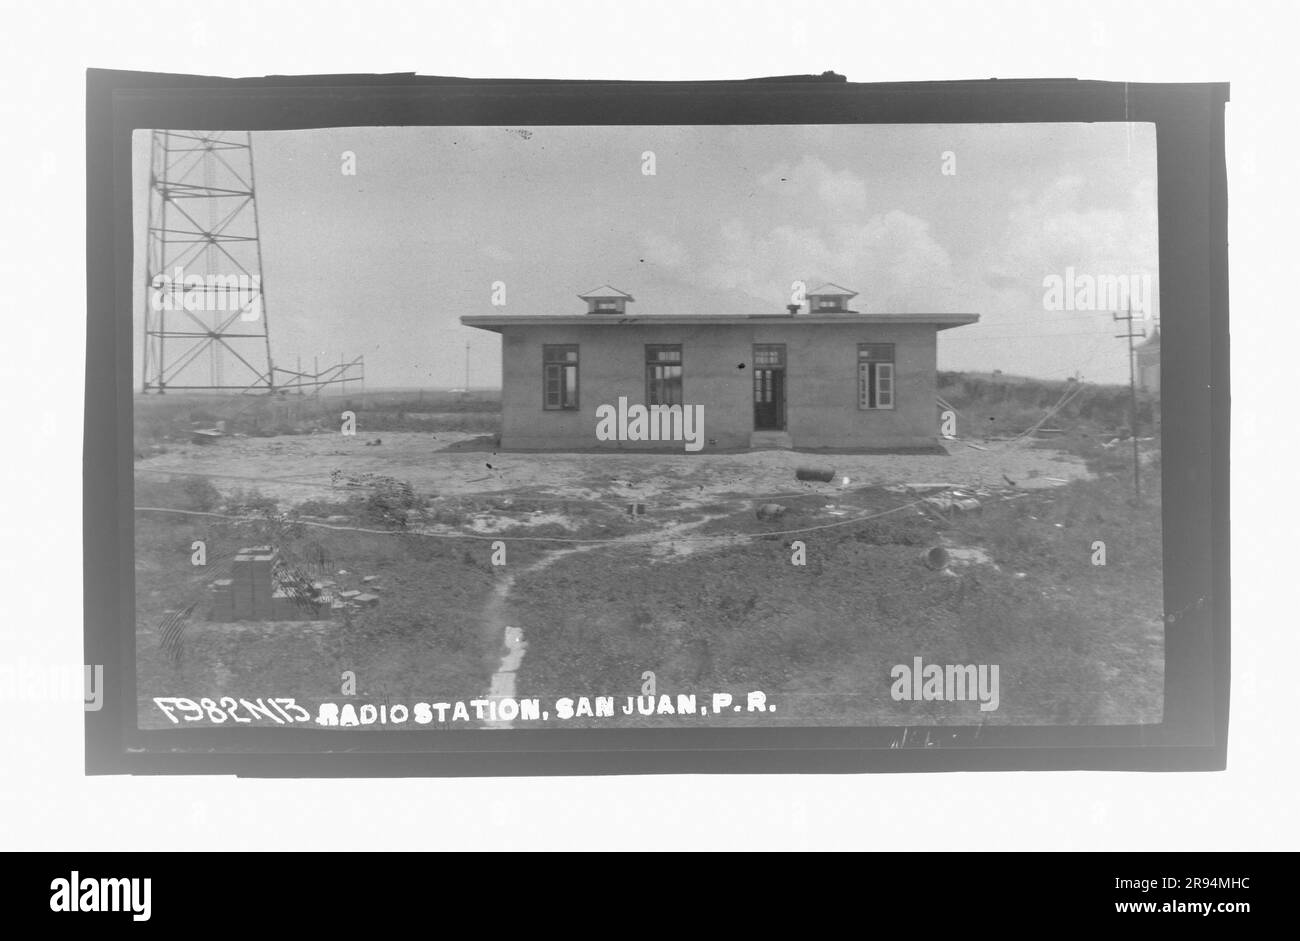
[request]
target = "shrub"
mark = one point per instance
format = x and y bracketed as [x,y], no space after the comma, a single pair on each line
[391,501]
[201,495]
[246,502]
[323,508]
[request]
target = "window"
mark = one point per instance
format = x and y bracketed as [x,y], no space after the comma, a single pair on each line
[560,377]
[769,354]
[875,375]
[828,303]
[663,375]
[606,305]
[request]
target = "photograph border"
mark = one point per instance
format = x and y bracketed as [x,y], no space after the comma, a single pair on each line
[1192,200]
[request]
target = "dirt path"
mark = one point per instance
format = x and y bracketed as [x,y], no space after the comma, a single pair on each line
[511,638]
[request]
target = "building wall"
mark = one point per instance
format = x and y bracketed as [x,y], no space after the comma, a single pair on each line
[821,383]
[1148,365]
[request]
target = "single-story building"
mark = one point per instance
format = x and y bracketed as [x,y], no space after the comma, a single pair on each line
[1148,363]
[817,376]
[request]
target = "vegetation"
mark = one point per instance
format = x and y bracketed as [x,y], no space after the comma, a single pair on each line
[160,420]
[997,405]
[1075,642]
[423,641]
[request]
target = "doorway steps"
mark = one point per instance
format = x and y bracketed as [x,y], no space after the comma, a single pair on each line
[778,440]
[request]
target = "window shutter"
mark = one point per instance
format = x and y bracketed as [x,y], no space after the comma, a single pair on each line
[552,386]
[884,385]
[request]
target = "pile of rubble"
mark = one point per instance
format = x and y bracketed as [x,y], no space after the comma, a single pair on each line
[262,587]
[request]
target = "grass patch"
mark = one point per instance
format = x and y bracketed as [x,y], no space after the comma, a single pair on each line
[159,420]
[1073,641]
[423,642]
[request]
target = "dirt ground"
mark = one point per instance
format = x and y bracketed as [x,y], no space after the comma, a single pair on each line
[292,469]
[1080,642]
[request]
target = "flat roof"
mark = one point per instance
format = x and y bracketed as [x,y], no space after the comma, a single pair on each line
[495,322]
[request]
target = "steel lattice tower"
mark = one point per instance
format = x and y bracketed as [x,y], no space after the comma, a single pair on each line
[205,324]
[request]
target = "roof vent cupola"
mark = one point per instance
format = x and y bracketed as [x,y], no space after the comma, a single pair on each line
[830,299]
[607,300]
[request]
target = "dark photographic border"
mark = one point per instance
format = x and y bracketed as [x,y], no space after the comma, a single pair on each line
[1192,194]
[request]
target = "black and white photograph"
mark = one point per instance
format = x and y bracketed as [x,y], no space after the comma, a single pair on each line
[454,428]
[553,425]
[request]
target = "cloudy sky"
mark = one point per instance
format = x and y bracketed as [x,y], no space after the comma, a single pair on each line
[385,261]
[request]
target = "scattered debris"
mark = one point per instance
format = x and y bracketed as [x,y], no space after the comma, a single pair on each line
[959,556]
[954,502]
[924,487]
[491,523]
[262,588]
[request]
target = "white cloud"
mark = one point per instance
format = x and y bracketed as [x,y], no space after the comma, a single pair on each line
[841,190]
[497,253]
[1054,229]
[891,260]
[659,249]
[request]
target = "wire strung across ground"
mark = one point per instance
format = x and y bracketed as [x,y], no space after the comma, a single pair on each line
[1068,396]
[635,539]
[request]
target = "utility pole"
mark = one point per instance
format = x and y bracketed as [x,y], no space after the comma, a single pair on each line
[1129,335]
[467,369]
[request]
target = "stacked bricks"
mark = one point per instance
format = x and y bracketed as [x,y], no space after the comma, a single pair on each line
[251,574]
[285,608]
[248,594]
[223,600]
[253,594]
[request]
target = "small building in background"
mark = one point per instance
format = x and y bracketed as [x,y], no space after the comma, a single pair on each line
[1148,363]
